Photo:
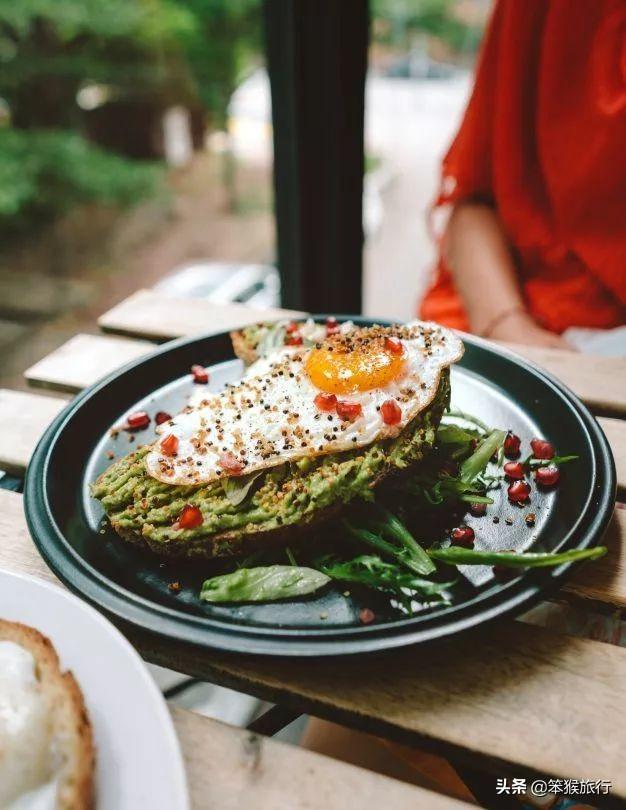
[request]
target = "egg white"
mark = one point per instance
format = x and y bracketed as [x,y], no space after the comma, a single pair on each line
[270,417]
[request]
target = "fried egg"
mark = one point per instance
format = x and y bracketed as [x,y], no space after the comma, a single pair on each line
[344,392]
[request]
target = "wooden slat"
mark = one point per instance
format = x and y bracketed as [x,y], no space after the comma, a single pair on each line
[152,315]
[24,417]
[512,696]
[84,360]
[598,381]
[605,580]
[615,432]
[230,769]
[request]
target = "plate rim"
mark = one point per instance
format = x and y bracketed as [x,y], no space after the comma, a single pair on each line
[149,687]
[210,633]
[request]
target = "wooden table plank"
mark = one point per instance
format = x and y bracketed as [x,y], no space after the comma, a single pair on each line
[598,381]
[152,315]
[84,360]
[605,580]
[512,696]
[615,432]
[230,769]
[24,418]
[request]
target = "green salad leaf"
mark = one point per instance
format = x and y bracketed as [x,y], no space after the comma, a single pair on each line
[458,555]
[237,489]
[386,533]
[263,584]
[477,462]
[373,572]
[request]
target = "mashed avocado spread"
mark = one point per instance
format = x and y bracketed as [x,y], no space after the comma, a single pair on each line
[144,510]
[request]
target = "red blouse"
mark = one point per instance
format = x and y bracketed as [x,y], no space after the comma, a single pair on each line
[544,141]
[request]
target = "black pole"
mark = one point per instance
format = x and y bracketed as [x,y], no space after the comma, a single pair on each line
[317,60]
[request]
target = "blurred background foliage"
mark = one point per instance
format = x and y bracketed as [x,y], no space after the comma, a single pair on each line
[456,26]
[84,85]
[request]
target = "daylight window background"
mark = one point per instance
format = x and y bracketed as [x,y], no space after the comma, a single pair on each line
[136,150]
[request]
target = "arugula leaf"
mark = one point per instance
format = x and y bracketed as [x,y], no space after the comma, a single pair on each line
[386,533]
[534,463]
[263,584]
[370,570]
[477,462]
[458,555]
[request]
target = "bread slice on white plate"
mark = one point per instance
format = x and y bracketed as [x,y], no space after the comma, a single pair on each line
[46,736]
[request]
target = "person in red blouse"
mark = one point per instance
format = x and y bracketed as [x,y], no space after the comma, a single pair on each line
[536,178]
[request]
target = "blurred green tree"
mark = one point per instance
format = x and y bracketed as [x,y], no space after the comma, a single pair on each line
[130,60]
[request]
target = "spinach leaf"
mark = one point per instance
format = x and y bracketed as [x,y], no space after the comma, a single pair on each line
[263,584]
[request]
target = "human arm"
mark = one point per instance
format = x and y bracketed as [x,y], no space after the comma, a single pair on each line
[479,256]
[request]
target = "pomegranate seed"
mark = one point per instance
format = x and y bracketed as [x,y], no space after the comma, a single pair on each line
[231,463]
[190,517]
[393,345]
[391,412]
[137,421]
[478,509]
[518,491]
[295,339]
[325,402]
[548,476]
[514,470]
[542,449]
[463,534]
[332,327]
[291,327]
[349,410]
[169,445]
[366,615]
[200,374]
[162,416]
[512,445]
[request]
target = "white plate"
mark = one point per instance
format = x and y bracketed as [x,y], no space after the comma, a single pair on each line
[139,763]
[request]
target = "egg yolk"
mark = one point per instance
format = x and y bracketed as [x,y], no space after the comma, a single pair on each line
[343,372]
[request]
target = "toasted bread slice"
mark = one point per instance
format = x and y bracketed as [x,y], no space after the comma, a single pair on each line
[71,728]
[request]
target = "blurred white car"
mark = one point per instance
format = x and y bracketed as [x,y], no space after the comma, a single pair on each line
[224,282]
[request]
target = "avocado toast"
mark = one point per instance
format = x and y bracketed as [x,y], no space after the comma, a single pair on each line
[242,512]
[281,502]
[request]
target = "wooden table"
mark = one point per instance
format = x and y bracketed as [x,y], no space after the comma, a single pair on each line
[512,699]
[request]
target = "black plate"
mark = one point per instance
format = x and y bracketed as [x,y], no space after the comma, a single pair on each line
[500,388]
